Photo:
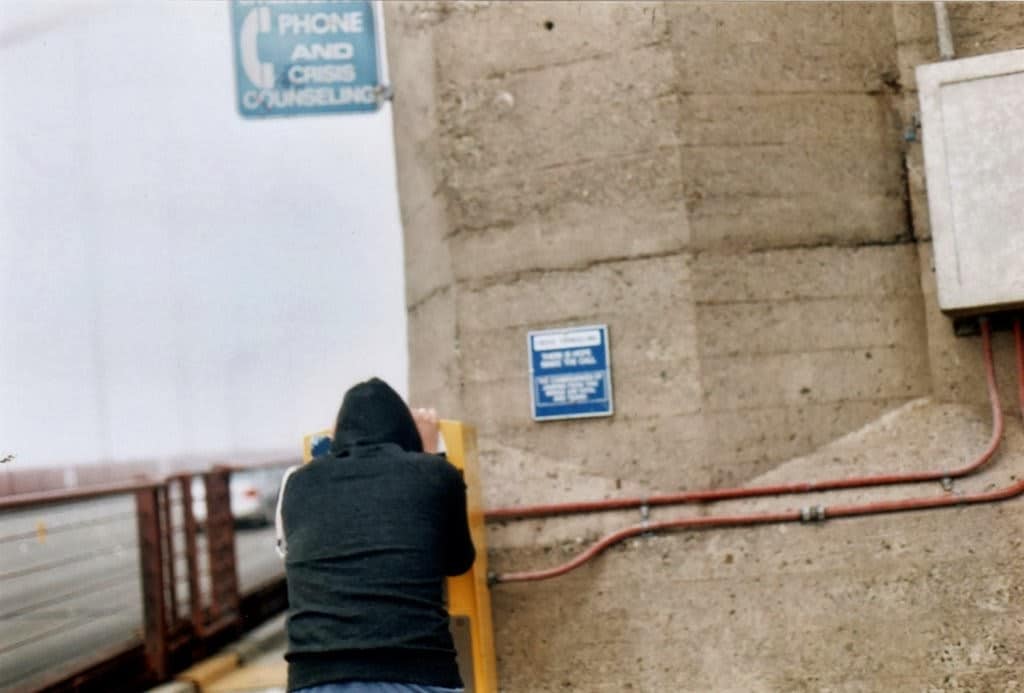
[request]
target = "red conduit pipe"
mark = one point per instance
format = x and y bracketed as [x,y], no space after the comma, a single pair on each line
[616,537]
[817,513]
[529,511]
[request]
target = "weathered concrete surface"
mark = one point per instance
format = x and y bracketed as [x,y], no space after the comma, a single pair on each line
[737,191]
[786,121]
[926,601]
[429,283]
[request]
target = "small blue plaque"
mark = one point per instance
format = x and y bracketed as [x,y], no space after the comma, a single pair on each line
[570,373]
[300,58]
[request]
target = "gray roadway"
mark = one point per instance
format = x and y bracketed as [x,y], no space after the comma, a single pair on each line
[69,583]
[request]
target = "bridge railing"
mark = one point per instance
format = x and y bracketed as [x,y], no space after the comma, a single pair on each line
[150,569]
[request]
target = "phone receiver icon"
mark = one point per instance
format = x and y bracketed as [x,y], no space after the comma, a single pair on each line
[256,22]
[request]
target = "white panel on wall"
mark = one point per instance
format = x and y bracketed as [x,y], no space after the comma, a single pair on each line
[972,114]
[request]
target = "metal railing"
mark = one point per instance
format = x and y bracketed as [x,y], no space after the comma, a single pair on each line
[131,566]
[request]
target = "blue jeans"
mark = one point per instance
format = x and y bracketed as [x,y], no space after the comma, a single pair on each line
[375,687]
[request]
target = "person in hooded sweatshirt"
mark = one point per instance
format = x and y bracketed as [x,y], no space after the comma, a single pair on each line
[371,529]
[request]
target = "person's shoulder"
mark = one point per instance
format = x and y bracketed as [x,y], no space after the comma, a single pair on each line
[294,474]
[436,464]
[307,472]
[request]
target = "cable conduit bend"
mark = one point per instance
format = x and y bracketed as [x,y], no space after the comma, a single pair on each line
[651,527]
[703,496]
[816,513]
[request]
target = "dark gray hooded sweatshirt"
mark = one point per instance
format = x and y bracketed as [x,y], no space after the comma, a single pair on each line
[372,528]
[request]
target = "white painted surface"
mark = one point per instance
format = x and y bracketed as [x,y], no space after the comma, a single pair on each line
[972,114]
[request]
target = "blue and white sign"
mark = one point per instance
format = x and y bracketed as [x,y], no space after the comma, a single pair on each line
[299,58]
[570,373]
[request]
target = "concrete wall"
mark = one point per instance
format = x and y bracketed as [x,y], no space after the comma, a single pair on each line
[730,188]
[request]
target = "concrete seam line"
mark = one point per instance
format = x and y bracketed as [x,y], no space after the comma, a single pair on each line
[175,687]
[210,669]
[260,640]
[248,650]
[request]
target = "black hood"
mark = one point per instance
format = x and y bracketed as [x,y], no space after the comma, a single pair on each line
[372,412]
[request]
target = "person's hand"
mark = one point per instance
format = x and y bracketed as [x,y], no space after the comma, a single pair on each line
[427,424]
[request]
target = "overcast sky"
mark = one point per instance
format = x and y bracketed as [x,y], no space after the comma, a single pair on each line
[176,280]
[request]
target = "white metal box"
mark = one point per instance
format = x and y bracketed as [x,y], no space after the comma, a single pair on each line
[972,116]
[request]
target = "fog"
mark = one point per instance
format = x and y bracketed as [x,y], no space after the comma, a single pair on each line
[177,281]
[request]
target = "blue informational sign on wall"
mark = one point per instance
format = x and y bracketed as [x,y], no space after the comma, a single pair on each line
[570,373]
[299,58]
